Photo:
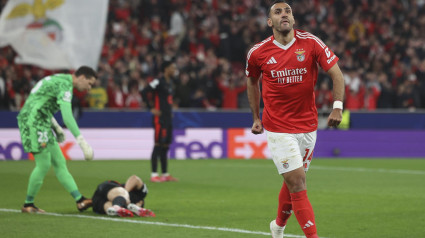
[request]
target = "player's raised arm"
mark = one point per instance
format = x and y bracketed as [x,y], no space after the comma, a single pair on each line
[253,90]
[335,117]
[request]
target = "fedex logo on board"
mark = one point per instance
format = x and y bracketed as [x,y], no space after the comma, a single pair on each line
[243,144]
[14,150]
[218,143]
[198,144]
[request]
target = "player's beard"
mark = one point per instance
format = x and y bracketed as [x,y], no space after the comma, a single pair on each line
[284,30]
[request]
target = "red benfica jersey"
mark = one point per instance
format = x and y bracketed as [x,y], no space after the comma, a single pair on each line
[289,74]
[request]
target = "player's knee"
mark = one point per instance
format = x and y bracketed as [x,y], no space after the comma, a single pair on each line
[118,192]
[295,180]
[135,178]
[43,167]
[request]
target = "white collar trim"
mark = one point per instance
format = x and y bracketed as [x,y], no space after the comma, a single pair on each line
[285,47]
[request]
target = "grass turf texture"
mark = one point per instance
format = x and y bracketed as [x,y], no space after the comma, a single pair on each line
[350,197]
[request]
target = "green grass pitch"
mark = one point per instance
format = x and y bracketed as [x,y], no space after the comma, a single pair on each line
[350,197]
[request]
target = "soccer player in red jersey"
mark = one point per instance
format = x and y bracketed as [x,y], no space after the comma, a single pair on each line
[287,63]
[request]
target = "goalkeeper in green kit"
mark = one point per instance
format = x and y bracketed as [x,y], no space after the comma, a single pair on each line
[36,122]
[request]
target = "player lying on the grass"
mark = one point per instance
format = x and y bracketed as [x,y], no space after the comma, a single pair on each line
[36,122]
[124,200]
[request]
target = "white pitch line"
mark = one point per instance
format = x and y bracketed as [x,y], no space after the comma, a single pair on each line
[394,171]
[154,223]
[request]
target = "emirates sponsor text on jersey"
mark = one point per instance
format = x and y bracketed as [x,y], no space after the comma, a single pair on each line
[289,75]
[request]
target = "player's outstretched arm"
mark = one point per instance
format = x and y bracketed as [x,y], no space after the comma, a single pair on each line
[253,90]
[335,117]
[71,124]
[60,135]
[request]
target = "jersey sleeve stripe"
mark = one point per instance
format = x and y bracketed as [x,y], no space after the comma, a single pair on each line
[311,35]
[313,38]
[256,47]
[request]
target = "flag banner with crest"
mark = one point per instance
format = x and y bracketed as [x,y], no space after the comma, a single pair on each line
[54,34]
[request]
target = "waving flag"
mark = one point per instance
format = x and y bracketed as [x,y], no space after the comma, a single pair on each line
[54,34]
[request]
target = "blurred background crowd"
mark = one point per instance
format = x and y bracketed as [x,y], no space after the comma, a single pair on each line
[381,46]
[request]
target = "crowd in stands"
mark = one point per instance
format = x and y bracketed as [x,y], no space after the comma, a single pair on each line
[380,44]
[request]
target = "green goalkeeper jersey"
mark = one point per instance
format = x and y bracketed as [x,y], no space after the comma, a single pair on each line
[49,95]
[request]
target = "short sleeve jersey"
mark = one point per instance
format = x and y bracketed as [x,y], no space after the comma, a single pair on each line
[289,74]
[46,97]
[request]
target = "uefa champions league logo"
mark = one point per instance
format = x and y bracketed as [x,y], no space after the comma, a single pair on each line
[38,9]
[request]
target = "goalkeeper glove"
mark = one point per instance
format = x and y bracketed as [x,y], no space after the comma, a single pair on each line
[60,135]
[85,147]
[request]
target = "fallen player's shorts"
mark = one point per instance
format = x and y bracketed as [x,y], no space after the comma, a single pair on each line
[291,151]
[100,196]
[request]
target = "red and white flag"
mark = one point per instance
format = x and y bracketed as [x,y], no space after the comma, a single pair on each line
[54,34]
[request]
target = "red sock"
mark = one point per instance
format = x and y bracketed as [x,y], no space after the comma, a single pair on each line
[304,213]
[284,209]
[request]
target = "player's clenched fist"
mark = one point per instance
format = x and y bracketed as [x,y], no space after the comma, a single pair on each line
[257,127]
[335,118]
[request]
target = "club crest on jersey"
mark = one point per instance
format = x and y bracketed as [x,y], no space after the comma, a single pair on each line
[285,164]
[300,55]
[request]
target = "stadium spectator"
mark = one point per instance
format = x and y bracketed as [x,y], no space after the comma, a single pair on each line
[372,92]
[36,122]
[199,100]
[387,96]
[287,63]
[230,91]
[324,96]
[408,94]
[158,97]
[177,26]
[183,91]
[97,97]
[134,99]
[124,200]
[115,95]
[354,91]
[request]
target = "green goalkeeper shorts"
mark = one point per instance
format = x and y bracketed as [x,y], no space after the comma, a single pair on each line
[35,136]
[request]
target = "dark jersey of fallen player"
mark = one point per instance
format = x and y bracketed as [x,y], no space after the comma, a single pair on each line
[100,196]
[158,94]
